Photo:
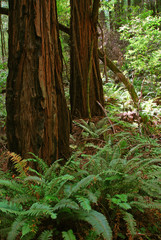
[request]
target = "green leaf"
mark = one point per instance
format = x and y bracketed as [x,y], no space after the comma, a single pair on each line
[12,185]
[15,228]
[82,184]
[38,209]
[68,235]
[125,206]
[66,203]
[46,235]
[9,207]
[84,202]
[25,229]
[98,222]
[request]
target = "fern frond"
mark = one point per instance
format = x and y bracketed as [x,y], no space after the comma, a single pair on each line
[31,170]
[68,235]
[130,221]
[40,209]
[41,163]
[51,171]
[98,222]
[66,203]
[63,180]
[84,203]
[9,207]
[23,198]
[87,128]
[152,188]
[144,205]
[19,163]
[82,183]
[12,185]
[46,235]
[91,196]
[15,228]
[35,179]
[59,182]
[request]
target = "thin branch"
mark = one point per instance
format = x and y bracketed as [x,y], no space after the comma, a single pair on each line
[63,28]
[4,11]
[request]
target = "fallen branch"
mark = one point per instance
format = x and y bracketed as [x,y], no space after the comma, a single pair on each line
[129,86]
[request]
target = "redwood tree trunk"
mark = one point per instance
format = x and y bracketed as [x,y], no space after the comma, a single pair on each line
[37,114]
[84,37]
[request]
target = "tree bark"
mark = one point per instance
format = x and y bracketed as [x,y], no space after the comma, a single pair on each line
[37,114]
[84,16]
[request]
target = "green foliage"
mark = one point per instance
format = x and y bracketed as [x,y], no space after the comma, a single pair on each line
[143,53]
[46,235]
[68,235]
[54,195]
[128,175]
[3,77]
[123,176]
[93,130]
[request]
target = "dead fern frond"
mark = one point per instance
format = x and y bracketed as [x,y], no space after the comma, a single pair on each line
[117,225]
[19,164]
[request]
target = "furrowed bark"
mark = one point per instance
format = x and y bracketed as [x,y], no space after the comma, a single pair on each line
[83,32]
[37,115]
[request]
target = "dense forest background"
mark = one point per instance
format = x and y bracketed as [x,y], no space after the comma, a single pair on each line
[80,119]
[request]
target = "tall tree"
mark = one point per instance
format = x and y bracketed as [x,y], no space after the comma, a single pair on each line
[86,83]
[37,114]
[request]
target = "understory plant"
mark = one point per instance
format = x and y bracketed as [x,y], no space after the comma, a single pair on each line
[129,170]
[94,200]
[143,53]
[48,203]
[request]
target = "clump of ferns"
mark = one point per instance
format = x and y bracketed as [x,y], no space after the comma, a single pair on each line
[47,199]
[130,181]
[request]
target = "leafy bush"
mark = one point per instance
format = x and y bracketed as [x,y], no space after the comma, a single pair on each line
[143,53]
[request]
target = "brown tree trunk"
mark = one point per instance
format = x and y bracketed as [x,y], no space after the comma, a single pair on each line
[158,6]
[84,38]
[37,114]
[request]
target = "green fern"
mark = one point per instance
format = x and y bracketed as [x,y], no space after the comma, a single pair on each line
[41,163]
[68,235]
[84,203]
[98,222]
[12,185]
[15,228]
[46,235]
[9,207]
[39,209]
[82,183]
[130,222]
[66,203]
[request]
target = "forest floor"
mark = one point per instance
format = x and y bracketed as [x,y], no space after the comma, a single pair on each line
[79,139]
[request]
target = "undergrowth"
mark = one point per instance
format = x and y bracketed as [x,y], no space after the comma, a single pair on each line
[114,186]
